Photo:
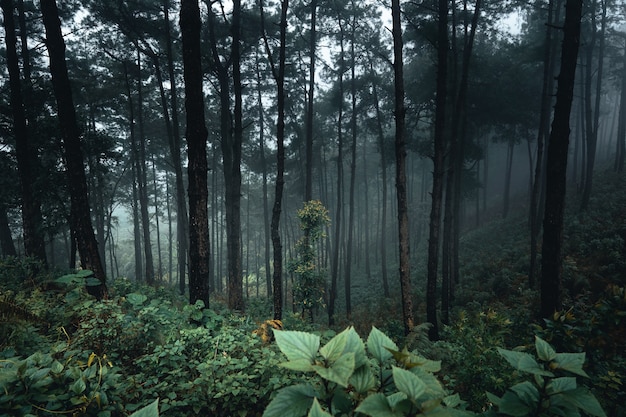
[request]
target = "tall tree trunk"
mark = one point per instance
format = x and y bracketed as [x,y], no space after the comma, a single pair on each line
[592,115]
[197,134]
[232,169]
[383,167]
[549,58]
[551,262]
[142,182]
[438,168]
[134,155]
[401,185]
[507,179]
[182,219]
[156,220]
[281,96]
[79,211]
[308,189]
[334,274]
[25,151]
[266,216]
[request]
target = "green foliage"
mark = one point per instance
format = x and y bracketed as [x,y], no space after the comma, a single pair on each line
[350,377]
[60,382]
[552,390]
[309,287]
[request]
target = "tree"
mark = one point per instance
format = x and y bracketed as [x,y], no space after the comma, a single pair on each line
[551,261]
[197,134]
[279,76]
[25,151]
[401,184]
[438,168]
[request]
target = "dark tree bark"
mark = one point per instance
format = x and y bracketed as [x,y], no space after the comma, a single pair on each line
[438,169]
[334,273]
[592,114]
[79,211]
[308,189]
[551,261]
[197,134]
[281,95]
[549,57]
[182,219]
[266,216]
[142,176]
[25,151]
[232,171]
[401,184]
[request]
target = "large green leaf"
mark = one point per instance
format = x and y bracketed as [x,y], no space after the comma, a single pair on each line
[563,384]
[545,352]
[302,365]
[527,393]
[510,404]
[523,362]
[136,299]
[297,345]
[151,410]
[333,350]
[571,362]
[378,343]
[355,344]
[340,371]
[316,410]
[362,379]
[293,401]
[377,406]
[586,401]
[408,383]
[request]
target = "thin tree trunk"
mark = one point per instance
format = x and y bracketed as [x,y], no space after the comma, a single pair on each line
[79,212]
[281,95]
[507,179]
[199,248]
[401,190]
[438,162]
[25,151]
[6,239]
[308,192]
[551,262]
[621,130]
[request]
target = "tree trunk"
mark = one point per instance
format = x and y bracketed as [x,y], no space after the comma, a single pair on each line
[592,115]
[401,185]
[308,189]
[549,58]
[197,134]
[557,164]
[507,179]
[182,219]
[79,211]
[281,96]
[25,151]
[438,167]
[142,182]
[232,170]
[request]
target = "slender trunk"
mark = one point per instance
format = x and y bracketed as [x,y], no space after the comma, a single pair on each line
[77,181]
[6,239]
[621,130]
[507,179]
[551,262]
[438,162]
[308,192]
[199,247]
[156,220]
[401,189]
[281,95]
[26,152]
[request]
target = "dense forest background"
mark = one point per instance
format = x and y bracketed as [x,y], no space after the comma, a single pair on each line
[330,162]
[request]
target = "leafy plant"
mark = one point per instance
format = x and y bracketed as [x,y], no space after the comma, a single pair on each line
[309,287]
[553,389]
[350,377]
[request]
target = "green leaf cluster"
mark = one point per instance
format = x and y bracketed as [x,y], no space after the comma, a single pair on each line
[350,377]
[553,389]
